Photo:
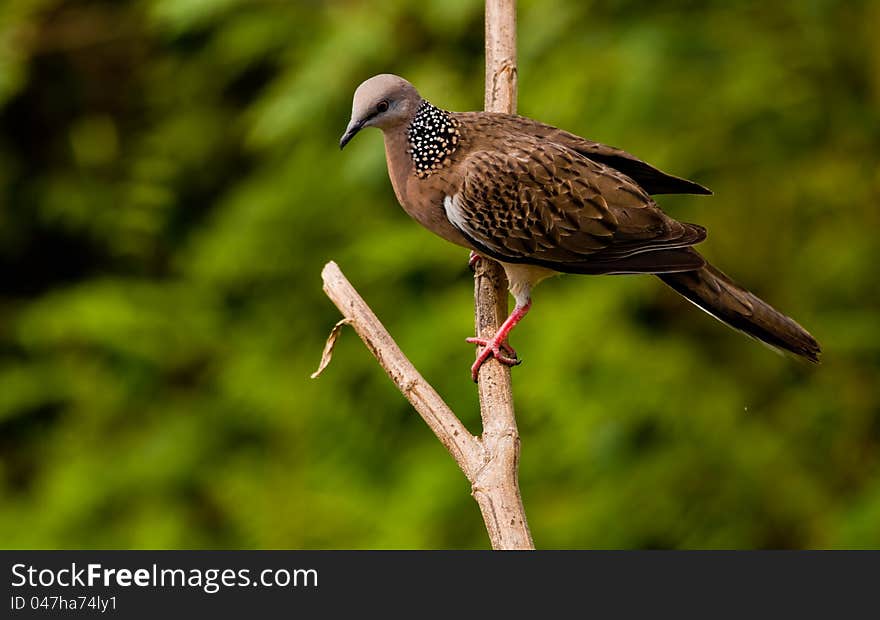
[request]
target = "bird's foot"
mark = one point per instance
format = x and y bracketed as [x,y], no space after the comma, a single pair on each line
[473,260]
[493,348]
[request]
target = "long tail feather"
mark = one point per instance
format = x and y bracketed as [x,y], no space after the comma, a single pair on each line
[717,294]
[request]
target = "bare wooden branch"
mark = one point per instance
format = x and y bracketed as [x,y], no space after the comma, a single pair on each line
[490,462]
[501,72]
[464,447]
[497,487]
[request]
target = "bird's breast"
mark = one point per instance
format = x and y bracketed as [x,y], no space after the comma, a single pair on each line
[421,198]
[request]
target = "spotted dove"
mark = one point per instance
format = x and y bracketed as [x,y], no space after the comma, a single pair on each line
[541,201]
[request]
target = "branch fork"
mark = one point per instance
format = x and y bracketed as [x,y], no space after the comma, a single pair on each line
[490,462]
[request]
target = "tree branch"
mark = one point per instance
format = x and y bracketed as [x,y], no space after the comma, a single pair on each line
[489,462]
[497,490]
[464,447]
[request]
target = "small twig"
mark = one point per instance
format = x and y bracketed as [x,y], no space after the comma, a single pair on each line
[327,355]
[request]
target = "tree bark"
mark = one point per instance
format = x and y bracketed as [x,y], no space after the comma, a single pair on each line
[497,487]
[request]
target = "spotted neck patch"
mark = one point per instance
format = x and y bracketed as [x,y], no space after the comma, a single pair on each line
[433,137]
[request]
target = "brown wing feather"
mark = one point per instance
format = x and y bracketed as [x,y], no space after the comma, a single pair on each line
[649,178]
[543,204]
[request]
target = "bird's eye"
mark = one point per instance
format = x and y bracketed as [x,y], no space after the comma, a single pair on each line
[381,106]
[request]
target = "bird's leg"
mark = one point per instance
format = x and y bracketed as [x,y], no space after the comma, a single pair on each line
[492,347]
[474,260]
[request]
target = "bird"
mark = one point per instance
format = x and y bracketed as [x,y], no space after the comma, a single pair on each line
[543,201]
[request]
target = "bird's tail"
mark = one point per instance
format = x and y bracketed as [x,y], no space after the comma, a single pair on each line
[728,302]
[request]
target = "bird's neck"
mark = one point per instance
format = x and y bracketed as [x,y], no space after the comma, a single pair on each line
[400,165]
[433,136]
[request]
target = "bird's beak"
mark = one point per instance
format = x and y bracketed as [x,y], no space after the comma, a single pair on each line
[350,131]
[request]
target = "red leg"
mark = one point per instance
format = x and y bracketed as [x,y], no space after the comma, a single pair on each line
[493,347]
[474,260]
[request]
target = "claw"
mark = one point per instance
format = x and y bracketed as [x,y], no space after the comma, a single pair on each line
[473,259]
[504,346]
[492,348]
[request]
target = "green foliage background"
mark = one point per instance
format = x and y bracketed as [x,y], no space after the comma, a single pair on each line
[170,186]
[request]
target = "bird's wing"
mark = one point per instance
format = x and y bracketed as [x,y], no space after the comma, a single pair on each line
[541,203]
[649,178]
[654,181]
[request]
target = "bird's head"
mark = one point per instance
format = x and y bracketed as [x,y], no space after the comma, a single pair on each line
[384,101]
